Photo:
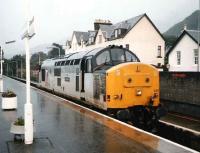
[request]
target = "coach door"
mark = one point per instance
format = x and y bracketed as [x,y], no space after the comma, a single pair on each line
[88,79]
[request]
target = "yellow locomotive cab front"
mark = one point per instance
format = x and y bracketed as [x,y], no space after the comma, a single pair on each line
[132,84]
[132,94]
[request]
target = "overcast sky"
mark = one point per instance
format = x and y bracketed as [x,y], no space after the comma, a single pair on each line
[55,20]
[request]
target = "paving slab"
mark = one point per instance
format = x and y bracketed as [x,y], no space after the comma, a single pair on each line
[40,145]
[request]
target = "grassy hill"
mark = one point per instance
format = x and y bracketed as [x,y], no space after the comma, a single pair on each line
[191,22]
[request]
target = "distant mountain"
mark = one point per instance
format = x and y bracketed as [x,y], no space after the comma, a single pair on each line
[191,22]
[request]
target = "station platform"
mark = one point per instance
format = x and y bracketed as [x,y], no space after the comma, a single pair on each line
[184,122]
[64,127]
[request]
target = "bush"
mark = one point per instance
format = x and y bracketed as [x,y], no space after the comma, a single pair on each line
[19,121]
[8,93]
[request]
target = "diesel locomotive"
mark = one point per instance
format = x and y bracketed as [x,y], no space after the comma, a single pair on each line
[111,79]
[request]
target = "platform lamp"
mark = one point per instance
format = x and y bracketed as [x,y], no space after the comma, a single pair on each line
[28,107]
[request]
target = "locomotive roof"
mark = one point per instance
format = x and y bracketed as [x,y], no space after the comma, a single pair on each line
[72,56]
[81,54]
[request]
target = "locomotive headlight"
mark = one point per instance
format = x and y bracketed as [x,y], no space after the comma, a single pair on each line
[138,92]
[116,96]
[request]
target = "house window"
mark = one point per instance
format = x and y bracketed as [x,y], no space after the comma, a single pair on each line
[92,39]
[178,57]
[82,43]
[119,31]
[116,33]
[159,52]
[100,38]
[196,56]
[127,46]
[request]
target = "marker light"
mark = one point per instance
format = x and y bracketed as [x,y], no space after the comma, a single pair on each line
[138,92]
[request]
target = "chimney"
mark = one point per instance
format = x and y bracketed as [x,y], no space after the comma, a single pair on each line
[185,27]
[99,22]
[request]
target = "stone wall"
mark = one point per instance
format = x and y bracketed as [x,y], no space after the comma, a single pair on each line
[180,92]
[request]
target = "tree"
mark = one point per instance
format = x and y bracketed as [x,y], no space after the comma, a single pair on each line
[54,52]
[37,59]
[169,40]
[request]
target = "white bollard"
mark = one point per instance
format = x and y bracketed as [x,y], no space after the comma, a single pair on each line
[28,127]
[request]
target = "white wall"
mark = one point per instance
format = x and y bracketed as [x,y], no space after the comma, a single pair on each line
[186,45]
[143,40]
[97,37]
[74,43]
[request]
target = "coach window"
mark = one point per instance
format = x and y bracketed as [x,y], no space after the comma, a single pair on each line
[67,62]
[77,61]
[72,62]
[103,58]
[130,57]
[57,72]
[58,64]
[62,63]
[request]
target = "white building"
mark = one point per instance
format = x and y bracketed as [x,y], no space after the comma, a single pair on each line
[183,55]
[138,34]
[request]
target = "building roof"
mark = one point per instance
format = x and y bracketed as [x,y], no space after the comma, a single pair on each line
[92,33]
[80,35]
[191,33]
[109,30]
[128,24]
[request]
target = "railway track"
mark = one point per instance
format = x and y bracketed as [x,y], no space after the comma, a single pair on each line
[177,134]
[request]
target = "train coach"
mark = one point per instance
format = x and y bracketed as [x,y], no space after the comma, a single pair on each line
[111,79]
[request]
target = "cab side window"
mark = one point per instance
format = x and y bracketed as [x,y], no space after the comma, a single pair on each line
[103,58]
[130,57]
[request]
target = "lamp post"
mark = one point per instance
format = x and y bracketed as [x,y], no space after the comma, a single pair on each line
[28,107]
[56,48]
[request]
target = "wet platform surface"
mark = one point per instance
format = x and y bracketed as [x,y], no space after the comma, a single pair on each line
[72,129]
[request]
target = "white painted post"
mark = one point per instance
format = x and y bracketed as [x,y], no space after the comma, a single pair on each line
[1,79]
[28,108]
